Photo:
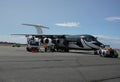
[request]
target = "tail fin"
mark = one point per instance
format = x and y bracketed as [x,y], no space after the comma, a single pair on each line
[38,27]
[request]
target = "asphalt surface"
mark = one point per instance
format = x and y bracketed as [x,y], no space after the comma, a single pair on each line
[17,65]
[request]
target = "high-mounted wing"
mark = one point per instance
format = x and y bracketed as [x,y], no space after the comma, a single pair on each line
[41,35]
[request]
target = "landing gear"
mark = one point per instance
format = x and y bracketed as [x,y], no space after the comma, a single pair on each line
[96,52]
[66,50]
[28,49]
[32,49]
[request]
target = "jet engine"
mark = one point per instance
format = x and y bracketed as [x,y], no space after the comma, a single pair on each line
[46,40]
[56,41]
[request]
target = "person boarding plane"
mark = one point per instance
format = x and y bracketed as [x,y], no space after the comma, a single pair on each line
[63,42]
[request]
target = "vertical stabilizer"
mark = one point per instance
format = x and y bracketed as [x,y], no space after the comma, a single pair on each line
[37,27]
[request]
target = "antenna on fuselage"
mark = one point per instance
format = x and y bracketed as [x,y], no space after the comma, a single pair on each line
[38,27]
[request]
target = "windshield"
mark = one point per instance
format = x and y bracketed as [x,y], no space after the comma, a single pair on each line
[89,39]
[34,43]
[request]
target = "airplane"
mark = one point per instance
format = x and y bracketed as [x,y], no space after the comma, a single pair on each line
[64,42]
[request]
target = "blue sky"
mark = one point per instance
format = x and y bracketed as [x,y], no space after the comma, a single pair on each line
[96,17]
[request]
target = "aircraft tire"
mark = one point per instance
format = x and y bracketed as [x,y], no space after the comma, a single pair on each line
[28,49]
[66,50]
[104,54]
[115,56]
[95,53]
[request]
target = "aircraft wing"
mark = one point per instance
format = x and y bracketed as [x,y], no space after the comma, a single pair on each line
[42,35]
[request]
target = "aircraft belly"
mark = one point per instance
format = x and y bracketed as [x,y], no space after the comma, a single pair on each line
[73,46]
[94,46]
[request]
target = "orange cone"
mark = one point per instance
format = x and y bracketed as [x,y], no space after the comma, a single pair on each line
[33,51]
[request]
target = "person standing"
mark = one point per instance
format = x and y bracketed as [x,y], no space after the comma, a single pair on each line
[45,47]
[52,47]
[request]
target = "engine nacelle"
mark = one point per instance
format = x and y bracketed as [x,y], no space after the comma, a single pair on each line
[56,41]
[60,42]
[46,40]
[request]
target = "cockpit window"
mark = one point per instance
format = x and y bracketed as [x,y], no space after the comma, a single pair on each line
[89,39]
[34,43]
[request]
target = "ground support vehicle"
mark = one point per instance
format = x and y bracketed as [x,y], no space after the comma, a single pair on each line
[33,45]
[106,51]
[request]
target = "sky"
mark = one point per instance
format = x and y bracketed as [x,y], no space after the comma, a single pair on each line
[100,18]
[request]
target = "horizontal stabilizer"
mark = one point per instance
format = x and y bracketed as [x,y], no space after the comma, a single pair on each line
[38,27]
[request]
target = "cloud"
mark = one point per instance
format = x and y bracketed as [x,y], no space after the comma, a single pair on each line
[68,24]
[112,41]
[112,18]
[16,39]
[108,38]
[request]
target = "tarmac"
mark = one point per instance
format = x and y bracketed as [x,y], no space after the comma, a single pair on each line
[18,65]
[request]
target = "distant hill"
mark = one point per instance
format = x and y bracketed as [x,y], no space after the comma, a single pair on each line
[9,44]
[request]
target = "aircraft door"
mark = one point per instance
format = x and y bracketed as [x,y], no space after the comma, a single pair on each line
[79,43]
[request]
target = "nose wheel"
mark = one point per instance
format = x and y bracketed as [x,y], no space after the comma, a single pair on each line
[96,52]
